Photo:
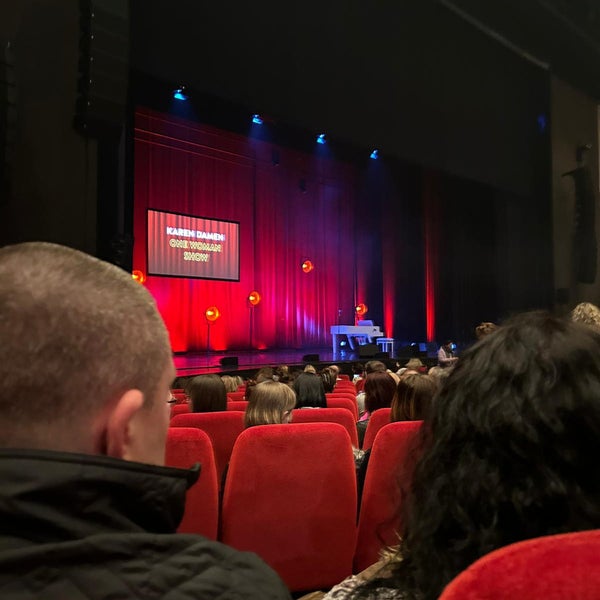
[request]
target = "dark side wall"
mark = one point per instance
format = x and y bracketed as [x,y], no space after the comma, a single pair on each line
[52,174]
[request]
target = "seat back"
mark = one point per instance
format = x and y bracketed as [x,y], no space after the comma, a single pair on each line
[334,401]
[328,415]
[343,377]
[391,463]
[554,566]
[239,395]
[185,447]
[237,405]
[344,386]
[377,420]
[179,409]
[222,427]
[289,497]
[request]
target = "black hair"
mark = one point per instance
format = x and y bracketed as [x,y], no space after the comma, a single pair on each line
[509,452]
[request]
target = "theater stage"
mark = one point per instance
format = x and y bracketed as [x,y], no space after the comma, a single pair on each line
[249,361]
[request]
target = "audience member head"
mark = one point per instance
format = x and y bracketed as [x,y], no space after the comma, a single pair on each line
[414,365]
[207,393]
[335,369]
[329,377]
[375,366]
[264,374]
[230,383]
[309,391]
[85,359]
[379,390]
[413,397]
[509,451]
[270,403]
[485,328]
[587,314]
[282,374]
[439,374]
[310,369]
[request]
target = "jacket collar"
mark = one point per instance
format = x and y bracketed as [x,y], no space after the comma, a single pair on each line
[49,496]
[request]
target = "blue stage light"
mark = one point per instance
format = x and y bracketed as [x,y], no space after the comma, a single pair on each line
[257,120]
[375,154]
[179,93]
[321,138]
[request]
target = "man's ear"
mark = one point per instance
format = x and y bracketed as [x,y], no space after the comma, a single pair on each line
[119,424]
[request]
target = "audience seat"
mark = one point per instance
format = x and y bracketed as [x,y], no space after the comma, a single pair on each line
[179,396]
[377,420]
[391,463]
[550,567]
[222,427]
[328,415]
[179,409]
[237,405]
[343,377]
[239,395]
[344,387]
[186,447]
[334,401]
[290,496]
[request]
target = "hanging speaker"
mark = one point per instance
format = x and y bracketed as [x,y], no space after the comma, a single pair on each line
[103,67]
[8,112]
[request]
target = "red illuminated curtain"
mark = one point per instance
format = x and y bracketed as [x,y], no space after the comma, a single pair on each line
[187,167]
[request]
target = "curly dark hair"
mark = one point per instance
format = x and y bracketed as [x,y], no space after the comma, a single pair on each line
[510,452]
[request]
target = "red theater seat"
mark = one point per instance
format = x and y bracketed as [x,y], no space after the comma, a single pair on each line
[232,396]
[179,409]
[377,420]
[343,377]
[334,401]
[237,405]
[393,455]
[341,416]
[551,567]
[290,496]
[222,427]
[186,447]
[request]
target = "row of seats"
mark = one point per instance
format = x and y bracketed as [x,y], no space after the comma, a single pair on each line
[290,496]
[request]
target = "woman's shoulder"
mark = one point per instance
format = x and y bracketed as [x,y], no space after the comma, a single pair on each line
[348,587]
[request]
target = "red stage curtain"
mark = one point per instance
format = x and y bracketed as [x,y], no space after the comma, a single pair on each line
[187,167]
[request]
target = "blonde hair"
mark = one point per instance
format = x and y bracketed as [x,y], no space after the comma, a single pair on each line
[268,403]
[586,313]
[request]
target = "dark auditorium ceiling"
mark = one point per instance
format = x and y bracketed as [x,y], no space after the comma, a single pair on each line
[565,34]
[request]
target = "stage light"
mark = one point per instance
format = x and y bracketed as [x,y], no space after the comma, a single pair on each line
[179,93]
[307,266]
[361,309]
[257,119]
[254,298]
[321,138]
[212,313]
[138,276]
[375,154]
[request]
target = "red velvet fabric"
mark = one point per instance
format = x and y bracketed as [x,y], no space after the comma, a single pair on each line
[555,567]
[377,420]
[222,428]
[334,401]
[393,455]
[192,168]
[236,395]
[237,405]
[328,415]
[290,496]
[179,409]
[186,447]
